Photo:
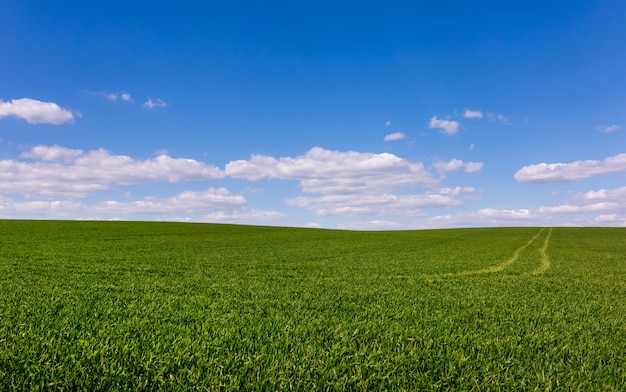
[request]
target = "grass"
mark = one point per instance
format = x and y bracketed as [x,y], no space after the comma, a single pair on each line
[168,306]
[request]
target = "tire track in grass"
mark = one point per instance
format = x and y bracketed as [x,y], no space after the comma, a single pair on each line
[500,267]
[545,259]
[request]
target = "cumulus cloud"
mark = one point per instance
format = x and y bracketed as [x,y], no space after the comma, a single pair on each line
[64,171]
[472,167]
[589,208]
[370,204]
[243,215]
[36,112]
[608,128]
[602,207]
[611,219]
[39,208]
[394,136]
[213,204]
[446,126]
[574,171]
[472,114]
[52,153]
[485,217]
[372,225]
[569,208]
[493,213]
[156,103]
[457,164]
[606,194]
[452,165]
[352,183]
[336,172]
[456,190]
[184,202]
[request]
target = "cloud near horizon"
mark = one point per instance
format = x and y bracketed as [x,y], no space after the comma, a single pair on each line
[36,112]
[335,172]
[71,172]
[369,204]
[351,183]
[335,183]
[217,205]
[605,194]
[573,171]
[599,207]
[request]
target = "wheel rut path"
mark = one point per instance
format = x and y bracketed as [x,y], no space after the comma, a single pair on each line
[545,259]
[543,267]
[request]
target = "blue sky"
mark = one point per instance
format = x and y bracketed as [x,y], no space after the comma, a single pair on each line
[350,115]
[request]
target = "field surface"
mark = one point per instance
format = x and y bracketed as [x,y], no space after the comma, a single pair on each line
[169,306]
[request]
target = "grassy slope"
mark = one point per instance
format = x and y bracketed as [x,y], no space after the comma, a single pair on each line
[126,305]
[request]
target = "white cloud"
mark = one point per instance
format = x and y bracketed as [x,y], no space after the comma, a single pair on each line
[485,217]
[388,123]
[336,172]
[39,209]
[184,202]
[498,117]
[472,114]
[243,216]
[472,167]
[213,204]
[569,208]
[64,171]
[493,213]
[52,153]
[456,164]
[446,126]
[566,172]
[157,103]
[605,207]
[606,194]
[611,219]
[608,128]
[452,165]
[373,204]
[394,136]
[607,218]
[109,96]
[372,225]
[36,112]
[353,183]
[456,190]
[589,208]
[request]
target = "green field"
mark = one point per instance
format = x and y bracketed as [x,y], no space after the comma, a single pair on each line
[173,306]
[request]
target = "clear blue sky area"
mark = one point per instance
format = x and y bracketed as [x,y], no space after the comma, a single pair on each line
[350,115]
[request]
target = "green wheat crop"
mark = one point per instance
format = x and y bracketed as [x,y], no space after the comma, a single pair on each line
[171,306]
